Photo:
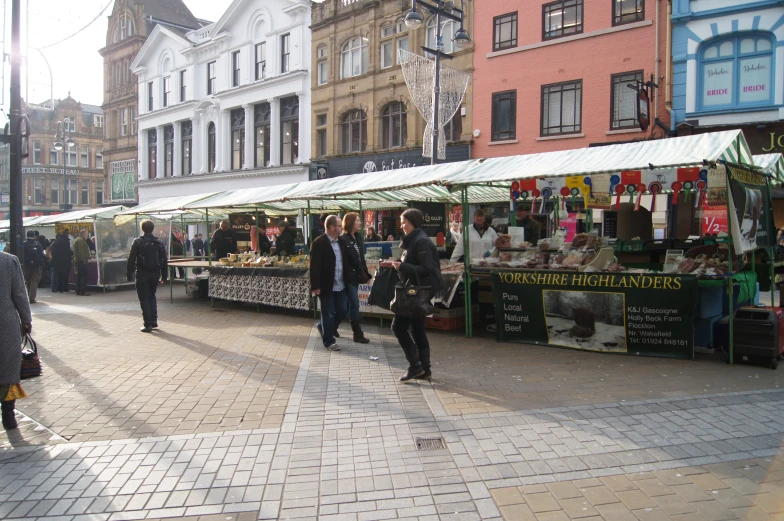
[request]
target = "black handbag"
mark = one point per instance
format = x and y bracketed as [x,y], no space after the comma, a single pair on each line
[31,362]
[383,291]
[413,301]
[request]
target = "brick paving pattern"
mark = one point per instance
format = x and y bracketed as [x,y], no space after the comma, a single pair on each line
[231,415]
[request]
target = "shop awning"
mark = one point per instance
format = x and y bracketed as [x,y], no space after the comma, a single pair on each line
[26,222]
[660,153]
[771,164]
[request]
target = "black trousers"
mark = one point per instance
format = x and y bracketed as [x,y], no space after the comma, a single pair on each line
[62,280]
[410,332]
[81,278]
[145,289]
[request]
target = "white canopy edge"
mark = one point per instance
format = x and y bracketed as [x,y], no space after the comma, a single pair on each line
[82,215]
[771,164]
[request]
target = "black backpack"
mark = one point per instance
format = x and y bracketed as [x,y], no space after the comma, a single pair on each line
[149,255]
[33,254]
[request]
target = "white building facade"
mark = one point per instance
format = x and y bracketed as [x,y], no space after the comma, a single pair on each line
[226,106]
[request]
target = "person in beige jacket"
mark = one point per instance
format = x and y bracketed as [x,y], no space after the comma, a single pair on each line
[81,257]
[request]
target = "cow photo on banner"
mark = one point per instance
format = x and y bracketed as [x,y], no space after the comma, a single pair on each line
[753,226]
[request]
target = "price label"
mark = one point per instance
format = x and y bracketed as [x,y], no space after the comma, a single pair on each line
[714,220]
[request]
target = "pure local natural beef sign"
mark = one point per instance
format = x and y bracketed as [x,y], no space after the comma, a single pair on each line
[753,74]
[635,314]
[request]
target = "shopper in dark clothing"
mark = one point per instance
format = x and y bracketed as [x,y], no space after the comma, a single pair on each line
[198,245]
[265,246]
[327,282]
[372,236]
[419,266]
[222,242]
[286,242]
[61,261]
[356,270]
[148,260]
[177,251]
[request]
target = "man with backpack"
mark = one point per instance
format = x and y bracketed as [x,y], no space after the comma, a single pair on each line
[148,260]
[33,265]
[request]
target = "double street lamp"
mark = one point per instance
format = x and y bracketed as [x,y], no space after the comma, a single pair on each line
[413,20]
[59,139]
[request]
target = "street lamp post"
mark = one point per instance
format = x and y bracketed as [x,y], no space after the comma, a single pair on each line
[461,39]
[59,139]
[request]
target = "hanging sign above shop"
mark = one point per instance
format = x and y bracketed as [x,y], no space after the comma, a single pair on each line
[643,112]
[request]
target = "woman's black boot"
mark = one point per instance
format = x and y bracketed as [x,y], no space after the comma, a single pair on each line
[413,372]
[359,336]
[9,419]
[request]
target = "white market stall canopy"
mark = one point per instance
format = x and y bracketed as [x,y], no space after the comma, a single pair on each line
[771,164]
[27,222]
[81,215]
[675,152]
[486,180]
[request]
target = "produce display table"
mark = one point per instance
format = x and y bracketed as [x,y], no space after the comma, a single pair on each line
[280,287]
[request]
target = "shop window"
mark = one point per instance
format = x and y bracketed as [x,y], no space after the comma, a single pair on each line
[71,190]
[354,58]
[54,191]
[36,152]
[166,90]
[628,11]
[354,132]
[623,101]
[187,147]
[402,43]
[98,193]
[736,71]
[562,18]
[211,160]
[211,78]
[53,158]
[124,122]
[285,53]
[289,130]
[261,122]
[85,156]
[454,129]
[323,64]
[235,69]
[321,135]
[38,190]
[85,200]
[504,115]
[387,52]
[168,151]
[562,108]
[393,125]
[237,138]
[99,158]
[183,87]
[505,31]
[149,96]
[70,155]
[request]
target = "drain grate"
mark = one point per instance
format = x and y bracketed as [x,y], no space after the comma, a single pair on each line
[430,443]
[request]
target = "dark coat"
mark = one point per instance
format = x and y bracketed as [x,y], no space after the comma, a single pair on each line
[198,247]
[420,265]
[286,242]
[322,265]
[61,254]
[265,245]
[222,243]
[135,265]
[353,258]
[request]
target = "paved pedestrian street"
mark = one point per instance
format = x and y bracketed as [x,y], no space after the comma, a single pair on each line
[228,414]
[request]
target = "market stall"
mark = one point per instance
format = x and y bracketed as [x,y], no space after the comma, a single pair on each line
[105,269]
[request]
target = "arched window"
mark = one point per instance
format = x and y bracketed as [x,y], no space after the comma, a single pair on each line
[168,151]
[261,120]
[237,138]
[393,125]
[736,71]
[448,29]
[354,132]
[211,147]
[124,28]
[354,58]
[187,145]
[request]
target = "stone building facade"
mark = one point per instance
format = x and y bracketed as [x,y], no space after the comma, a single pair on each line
[72,178]
[363,115]
[130,23]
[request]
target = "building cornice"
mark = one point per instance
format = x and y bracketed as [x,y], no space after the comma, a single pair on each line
[233,174]
[190,104]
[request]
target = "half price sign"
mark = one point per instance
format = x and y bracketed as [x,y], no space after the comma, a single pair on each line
[714,220]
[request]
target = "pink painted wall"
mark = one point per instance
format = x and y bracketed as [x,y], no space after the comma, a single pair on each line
[592,59]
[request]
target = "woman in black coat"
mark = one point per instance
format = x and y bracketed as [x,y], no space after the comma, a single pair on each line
[355,270]
[419,266]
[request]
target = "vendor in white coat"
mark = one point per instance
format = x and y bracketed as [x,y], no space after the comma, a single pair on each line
[482,239]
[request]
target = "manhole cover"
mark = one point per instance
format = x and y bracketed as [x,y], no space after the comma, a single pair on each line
[430,443]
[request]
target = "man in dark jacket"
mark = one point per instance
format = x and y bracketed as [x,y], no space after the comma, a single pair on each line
[326,280]
[530,226]
[265,246]
[61,261]
[198,245]
[33,265]
[148,260]
[286,242]
[222,242]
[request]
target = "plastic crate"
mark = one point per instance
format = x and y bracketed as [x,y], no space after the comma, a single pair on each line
[445,324]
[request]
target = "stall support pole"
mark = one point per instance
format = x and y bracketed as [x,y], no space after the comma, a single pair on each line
[730,280]
[209,249]
[772,259]
[469,312]
[184,251]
